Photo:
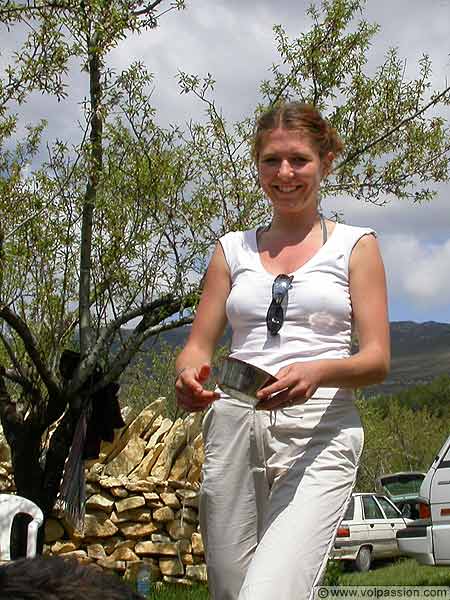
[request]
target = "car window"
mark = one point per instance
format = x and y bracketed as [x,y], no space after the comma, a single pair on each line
[389,510]
[371,508]
[349,513]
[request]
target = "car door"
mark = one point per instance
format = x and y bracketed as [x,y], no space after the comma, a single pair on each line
[440,508]
[394,521]
[379,531]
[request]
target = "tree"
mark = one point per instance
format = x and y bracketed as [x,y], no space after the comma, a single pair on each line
[116,228]
[397,438]
[96,239]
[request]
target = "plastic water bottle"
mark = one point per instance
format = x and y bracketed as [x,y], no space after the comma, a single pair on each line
[144,580]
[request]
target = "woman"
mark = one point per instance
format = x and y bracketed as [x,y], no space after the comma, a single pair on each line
[277,477]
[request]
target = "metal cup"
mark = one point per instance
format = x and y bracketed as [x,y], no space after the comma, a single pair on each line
[242,380]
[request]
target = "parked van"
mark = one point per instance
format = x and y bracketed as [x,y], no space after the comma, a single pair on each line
[427,539]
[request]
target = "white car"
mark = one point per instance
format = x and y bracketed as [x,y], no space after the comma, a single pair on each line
[368,530]
[427,539]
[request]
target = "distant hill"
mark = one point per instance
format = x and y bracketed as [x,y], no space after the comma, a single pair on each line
[420,353]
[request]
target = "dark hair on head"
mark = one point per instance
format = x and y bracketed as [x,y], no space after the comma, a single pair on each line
[301,117]
[56,578]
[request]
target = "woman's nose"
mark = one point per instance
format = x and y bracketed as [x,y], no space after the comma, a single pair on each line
[285,169]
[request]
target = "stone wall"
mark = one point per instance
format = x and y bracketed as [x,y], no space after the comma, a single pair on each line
[142,501]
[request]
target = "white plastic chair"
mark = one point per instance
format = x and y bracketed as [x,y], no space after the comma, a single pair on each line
[10,506]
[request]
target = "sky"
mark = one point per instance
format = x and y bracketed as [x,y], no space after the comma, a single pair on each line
[233,40]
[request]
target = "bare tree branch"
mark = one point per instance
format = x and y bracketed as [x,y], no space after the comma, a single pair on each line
[31,346]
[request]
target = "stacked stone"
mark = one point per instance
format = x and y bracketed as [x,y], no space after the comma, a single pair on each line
[128,522]
[6,477]
[142,502]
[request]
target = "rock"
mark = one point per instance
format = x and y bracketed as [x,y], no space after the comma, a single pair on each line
[53,531]
[137,428]
[159,537]
[163,514]
[80,555]
[136,531]
[139,515]
[91,489]
[178,531]
[145,467]
[100,502]
[177,580]
[170,499]
[157,549]
[197,544]
[113,482]
[94,473]
[130,503]
[119,492]
[154,427]
[156,437]
[5,451]
[115,565]
[133,569]
[141,485]
[6,465]
[96,551]
[171,567]
[182,464]
[187,559]
[152,499]
[198,458]
[188,515]
[96,525]
[128,459]
[123,553]
[63,547]
[172,444]
[188,498]
[197,572]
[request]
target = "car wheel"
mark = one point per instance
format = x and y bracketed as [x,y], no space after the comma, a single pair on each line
[363,559]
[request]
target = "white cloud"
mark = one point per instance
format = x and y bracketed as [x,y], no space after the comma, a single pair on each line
[417,271]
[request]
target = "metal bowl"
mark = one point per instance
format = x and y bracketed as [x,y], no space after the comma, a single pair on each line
[242,380]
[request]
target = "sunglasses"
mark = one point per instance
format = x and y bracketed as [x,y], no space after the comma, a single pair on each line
[275,315]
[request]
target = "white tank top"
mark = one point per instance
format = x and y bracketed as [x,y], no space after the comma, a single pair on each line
[318,313]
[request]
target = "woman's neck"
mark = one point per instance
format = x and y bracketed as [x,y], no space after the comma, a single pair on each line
[294,226]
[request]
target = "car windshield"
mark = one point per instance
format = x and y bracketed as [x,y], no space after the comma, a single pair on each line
[402,486]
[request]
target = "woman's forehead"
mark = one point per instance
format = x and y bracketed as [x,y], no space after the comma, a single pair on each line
[286,140]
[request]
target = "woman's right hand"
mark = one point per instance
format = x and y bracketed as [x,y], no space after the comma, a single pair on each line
[190,393]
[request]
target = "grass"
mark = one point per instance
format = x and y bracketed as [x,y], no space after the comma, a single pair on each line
[403,571]
[179,592]
[399,572]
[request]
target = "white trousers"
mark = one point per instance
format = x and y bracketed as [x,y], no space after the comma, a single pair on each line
[275,488]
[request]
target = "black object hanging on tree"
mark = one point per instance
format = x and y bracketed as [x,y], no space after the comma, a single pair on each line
[99,416]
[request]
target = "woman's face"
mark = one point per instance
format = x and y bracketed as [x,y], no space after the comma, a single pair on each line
[290,171]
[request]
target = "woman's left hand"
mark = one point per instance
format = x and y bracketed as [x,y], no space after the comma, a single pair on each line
[295,384]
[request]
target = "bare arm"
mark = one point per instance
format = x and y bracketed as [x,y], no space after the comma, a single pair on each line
[371,363]
[194,361]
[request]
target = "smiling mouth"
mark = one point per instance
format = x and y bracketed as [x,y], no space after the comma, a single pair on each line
[287,189]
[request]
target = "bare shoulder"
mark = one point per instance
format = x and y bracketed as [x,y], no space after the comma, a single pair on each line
[365,252]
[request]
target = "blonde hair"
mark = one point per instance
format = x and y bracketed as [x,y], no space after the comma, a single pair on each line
[301,117]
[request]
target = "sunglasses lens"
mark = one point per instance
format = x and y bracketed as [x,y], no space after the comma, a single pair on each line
[274,318]
[275,315]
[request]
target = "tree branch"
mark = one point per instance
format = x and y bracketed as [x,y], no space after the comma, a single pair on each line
[31,346]
[123,358]
[384,136]
[148,9]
